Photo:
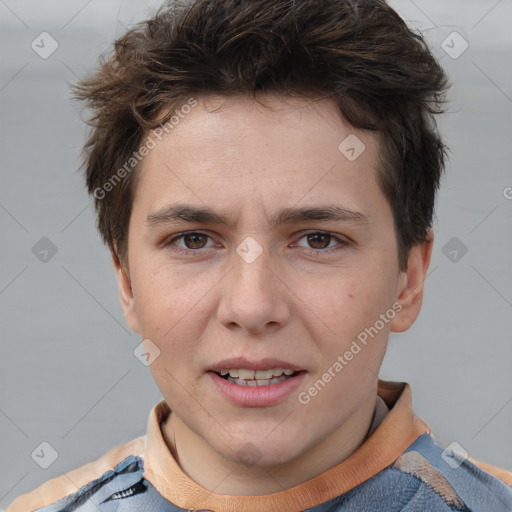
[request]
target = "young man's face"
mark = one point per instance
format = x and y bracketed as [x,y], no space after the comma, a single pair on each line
[261,295]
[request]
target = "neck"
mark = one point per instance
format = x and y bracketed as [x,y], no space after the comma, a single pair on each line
[210,470]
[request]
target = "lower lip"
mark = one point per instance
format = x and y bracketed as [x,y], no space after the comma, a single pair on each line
[257,396]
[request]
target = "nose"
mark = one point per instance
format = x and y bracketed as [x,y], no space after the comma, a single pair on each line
[253,299]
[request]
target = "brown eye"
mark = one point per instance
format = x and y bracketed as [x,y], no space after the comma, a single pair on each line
[195,240]
[319,240]
[190,243]
[321,243]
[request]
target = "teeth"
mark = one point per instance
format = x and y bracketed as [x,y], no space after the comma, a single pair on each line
[263,374]
[244,374]
[251,374]
[260,375]
[258,382]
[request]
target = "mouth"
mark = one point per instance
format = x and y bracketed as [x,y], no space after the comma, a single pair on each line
[256,378]
[256,383]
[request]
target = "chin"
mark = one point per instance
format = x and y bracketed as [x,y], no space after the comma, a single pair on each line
[258,451]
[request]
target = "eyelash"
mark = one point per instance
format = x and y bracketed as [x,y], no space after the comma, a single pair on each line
[189,252]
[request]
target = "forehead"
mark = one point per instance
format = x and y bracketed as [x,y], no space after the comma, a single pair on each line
[244,119]
[242,152]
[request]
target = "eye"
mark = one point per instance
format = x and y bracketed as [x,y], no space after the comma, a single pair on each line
[321,242]
[318,242]
[191,241]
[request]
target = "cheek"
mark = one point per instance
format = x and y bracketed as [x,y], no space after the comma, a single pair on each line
[351,363]
[173,311]
[352,303]
[163,297]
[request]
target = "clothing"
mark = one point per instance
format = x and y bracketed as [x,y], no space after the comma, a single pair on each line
[401,466]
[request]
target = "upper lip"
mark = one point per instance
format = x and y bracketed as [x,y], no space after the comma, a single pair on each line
[261,364]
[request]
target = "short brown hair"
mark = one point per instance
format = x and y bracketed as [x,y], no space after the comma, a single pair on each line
[359,52]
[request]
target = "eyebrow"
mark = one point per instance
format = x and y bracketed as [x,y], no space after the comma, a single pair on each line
[176,213]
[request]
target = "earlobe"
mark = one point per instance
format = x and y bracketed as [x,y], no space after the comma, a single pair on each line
[411,284]
[126,294]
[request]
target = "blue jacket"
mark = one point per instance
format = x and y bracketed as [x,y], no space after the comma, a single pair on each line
[401,466]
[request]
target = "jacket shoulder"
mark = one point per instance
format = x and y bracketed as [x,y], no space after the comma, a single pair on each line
[503,474]
[69,483]
[459,479]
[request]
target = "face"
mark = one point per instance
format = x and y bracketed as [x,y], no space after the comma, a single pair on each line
[256,244]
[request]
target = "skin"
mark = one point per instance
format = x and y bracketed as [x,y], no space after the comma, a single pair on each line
[295,302]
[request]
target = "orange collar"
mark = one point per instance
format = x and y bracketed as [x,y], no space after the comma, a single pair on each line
[399,429]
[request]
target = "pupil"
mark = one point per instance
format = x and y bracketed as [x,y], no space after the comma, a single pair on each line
[319,238]
[194,239]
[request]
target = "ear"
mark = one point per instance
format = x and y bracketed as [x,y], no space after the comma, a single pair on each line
[126,294]
[410,287]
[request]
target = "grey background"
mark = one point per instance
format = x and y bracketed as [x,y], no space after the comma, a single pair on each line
[68,375]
